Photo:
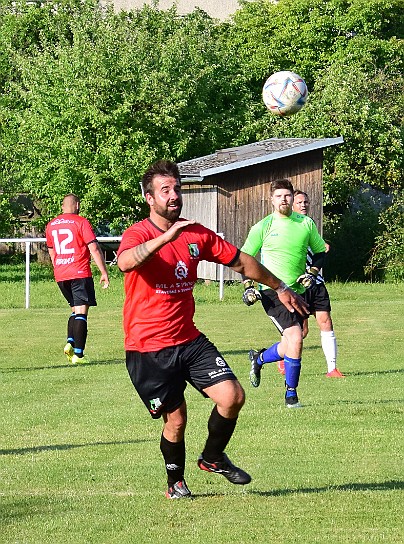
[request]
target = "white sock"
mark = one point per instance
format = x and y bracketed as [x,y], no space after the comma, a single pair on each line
[329,345]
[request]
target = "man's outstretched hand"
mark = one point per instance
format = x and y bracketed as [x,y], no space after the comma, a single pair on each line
[293,302]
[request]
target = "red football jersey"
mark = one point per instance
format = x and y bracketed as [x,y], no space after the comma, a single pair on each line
[69,235]
[159,304]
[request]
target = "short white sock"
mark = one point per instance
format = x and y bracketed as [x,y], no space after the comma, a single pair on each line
[329,345]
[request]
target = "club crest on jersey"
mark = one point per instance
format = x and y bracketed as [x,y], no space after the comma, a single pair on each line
[193,250]
[181,270]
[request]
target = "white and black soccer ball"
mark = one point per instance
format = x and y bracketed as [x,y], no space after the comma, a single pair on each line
[284,93]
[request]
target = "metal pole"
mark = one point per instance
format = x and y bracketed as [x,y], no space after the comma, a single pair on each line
[27,274]
[221,274]
[221,282]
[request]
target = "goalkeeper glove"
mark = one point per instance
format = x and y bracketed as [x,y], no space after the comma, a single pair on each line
[308,280]
[250,295]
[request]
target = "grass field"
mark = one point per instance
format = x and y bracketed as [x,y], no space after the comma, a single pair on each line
[80,459]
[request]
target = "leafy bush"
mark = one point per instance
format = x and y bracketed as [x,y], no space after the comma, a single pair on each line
[387,259]
[351,237]
[89,97]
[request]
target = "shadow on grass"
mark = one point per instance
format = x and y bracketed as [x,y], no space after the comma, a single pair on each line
[377,486]
[62,447]
[356,402]
[376,372]
[35,368]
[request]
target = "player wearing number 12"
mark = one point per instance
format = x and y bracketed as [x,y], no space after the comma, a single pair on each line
[71,243]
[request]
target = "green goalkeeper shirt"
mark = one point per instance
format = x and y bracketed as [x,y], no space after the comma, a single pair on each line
[283,243]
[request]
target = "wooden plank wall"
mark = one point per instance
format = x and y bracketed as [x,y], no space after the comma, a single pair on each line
[200,203]
[233,201]
[244,194]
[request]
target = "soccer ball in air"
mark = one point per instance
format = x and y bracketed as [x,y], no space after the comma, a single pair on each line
[284,93]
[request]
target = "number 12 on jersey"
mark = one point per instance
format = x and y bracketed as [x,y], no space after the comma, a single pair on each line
[62,239]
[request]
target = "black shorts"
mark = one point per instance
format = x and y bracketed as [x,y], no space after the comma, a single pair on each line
[79,292]
[160,377]
[277,312]
[318,298]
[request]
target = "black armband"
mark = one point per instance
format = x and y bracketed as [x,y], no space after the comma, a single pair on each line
[318,260]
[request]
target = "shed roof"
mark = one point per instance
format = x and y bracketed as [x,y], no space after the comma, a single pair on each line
[234,158]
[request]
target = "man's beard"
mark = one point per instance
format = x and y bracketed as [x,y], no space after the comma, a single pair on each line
[172,215]
[285,209]
[169,214]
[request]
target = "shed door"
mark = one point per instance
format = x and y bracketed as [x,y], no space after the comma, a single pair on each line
[200,203]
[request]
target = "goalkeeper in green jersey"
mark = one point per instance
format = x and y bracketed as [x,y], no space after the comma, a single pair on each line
[283,238]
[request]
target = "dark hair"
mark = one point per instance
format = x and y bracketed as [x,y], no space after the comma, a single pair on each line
[159,168]
[298,192]
[281,184]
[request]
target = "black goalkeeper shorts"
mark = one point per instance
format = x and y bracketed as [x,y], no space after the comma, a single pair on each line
[160,377]
[277,312]
[318,298]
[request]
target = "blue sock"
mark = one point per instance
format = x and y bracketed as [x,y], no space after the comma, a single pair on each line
[271,354]
[292,374]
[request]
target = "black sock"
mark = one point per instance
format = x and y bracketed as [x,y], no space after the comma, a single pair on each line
[70,329]
[174,458]
[80,334]
[220,431]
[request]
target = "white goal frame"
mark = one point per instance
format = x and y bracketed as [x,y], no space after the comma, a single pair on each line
[101,239]
[28,242]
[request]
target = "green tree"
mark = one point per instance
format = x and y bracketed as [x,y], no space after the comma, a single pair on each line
[24,30]
[351,54]
[387,258]
[123,90]
[89,97]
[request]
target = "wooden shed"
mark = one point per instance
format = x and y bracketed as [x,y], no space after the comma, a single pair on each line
[228,191]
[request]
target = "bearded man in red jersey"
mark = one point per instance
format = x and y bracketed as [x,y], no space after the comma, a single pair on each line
[164,349]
